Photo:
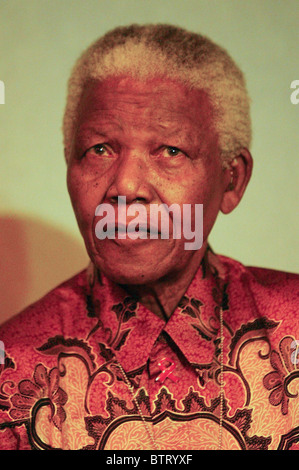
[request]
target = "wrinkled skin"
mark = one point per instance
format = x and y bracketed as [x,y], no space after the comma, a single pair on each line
[153,143]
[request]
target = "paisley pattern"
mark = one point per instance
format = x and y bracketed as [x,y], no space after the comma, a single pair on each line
[62,388]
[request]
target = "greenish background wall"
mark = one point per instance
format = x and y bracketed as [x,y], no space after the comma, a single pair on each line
[41,39]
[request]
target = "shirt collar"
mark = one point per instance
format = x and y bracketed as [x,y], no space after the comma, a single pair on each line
[130,330]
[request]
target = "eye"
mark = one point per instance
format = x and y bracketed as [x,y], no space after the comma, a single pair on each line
[170,151]
[101,150]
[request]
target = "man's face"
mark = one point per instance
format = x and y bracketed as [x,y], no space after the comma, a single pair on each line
[153,143]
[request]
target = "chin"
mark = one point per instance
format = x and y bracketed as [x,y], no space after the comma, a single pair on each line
[142,263]
[130,272]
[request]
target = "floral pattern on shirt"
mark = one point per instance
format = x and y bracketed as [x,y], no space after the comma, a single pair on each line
[65,390]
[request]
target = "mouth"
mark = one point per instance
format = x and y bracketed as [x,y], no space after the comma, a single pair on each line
[136,232]
[130,234]
[137,229]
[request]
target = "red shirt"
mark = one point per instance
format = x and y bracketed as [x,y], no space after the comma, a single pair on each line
[62,387]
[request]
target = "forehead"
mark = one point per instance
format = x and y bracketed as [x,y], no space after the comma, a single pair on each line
[159,102]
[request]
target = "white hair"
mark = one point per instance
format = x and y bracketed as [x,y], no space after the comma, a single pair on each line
[148,51]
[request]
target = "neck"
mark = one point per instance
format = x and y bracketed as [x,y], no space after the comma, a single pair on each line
[163,296]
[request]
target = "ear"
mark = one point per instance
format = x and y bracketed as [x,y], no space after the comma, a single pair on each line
[240,173]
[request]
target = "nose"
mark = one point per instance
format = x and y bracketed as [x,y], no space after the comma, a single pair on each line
[131,179]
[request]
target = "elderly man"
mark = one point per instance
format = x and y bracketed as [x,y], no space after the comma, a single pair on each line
[157,345]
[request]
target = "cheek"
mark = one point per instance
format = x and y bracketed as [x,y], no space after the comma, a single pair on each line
[75,191]
[211,208]
[206,190]
[84,196]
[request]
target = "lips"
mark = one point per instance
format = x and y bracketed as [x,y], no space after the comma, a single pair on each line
[120,221]
[111,225]
[133,228]
[135,231]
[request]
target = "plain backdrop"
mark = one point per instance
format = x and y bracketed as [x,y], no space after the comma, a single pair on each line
[40,40]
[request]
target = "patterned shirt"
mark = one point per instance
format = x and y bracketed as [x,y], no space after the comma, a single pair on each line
[62,386]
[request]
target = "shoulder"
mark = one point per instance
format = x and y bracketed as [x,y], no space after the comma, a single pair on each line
[28,372]
[272,292]
[51,315]
[263,277]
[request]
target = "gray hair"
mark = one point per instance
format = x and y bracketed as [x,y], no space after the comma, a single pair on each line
[148,51]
